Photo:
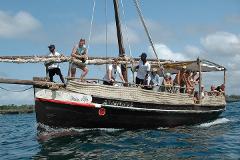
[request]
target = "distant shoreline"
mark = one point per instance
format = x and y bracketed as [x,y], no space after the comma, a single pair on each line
[16,109]
[232,98]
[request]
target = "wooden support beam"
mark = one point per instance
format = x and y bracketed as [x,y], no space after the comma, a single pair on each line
[47,59]
[31,82]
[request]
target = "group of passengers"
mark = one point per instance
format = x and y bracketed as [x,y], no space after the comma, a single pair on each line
[184,81]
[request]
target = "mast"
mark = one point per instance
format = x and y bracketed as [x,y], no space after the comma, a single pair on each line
[120,40]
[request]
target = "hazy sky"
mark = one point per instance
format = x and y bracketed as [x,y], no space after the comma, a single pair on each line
[181,29]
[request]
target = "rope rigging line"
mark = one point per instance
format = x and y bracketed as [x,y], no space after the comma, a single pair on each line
[145,27]
[126,29]
[148,34]
[16,90]
[106,30]
[91,25]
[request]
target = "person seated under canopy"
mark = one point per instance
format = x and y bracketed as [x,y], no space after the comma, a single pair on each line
[220,89]
[167,82]
[154,78]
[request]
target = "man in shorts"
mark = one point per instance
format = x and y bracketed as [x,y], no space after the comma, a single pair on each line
[79,53]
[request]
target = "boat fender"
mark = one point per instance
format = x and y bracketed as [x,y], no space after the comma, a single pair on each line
[102,112]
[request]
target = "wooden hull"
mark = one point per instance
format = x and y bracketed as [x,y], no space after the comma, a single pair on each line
[59,113]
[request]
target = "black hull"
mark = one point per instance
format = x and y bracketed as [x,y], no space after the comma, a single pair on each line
[58,114]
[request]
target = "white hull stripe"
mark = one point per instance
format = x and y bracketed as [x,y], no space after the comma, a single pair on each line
[163,110]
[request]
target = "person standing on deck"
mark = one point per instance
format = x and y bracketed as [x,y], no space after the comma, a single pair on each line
[112,71]
[54,68]
[181,79]
[144,69]
[79,52]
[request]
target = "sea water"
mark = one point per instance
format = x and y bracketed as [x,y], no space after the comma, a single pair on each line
[219,139]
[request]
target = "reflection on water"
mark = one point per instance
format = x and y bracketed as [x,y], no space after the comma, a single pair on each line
[20,139]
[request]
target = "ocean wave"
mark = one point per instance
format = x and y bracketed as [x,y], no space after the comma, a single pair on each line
[46,132]
[215,122]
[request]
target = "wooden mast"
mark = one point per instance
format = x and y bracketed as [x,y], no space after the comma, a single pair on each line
[120,40]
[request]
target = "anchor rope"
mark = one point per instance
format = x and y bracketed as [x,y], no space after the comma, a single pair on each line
[16,90]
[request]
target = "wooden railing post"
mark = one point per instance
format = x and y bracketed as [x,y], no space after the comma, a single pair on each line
[225,77]
[200,80]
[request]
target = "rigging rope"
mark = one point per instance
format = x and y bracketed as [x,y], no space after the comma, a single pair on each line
[91,25]
[147,32]
[126,29]
[128,41]
[16,90]
[106,27]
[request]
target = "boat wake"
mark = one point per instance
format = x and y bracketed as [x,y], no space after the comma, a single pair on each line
[46,132]
[215,122]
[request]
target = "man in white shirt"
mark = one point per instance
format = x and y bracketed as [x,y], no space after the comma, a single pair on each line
[54,68]
[143,68]
[111,75]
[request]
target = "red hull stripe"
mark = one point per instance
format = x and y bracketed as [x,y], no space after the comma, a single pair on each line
[77,104]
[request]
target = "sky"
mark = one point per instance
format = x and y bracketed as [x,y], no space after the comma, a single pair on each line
[181,30]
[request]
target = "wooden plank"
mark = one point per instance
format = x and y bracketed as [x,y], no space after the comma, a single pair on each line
[30,82]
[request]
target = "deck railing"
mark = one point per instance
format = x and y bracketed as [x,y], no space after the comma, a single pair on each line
[157,88]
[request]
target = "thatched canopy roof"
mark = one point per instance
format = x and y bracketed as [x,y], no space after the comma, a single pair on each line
[206,66]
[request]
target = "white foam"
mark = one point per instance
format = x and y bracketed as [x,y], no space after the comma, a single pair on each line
[215,122]
[162,128]
[95,129]
[50,129]
[48,132]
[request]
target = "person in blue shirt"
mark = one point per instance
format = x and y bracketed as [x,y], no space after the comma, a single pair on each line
[155,79]
[79,52]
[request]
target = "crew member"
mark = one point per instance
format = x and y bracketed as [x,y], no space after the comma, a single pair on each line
[54,68]
[79,52]
[111,74]
[143,72]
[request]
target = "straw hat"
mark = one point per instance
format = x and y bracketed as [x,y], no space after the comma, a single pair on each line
[167,75]
[154,70]
[184,67]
